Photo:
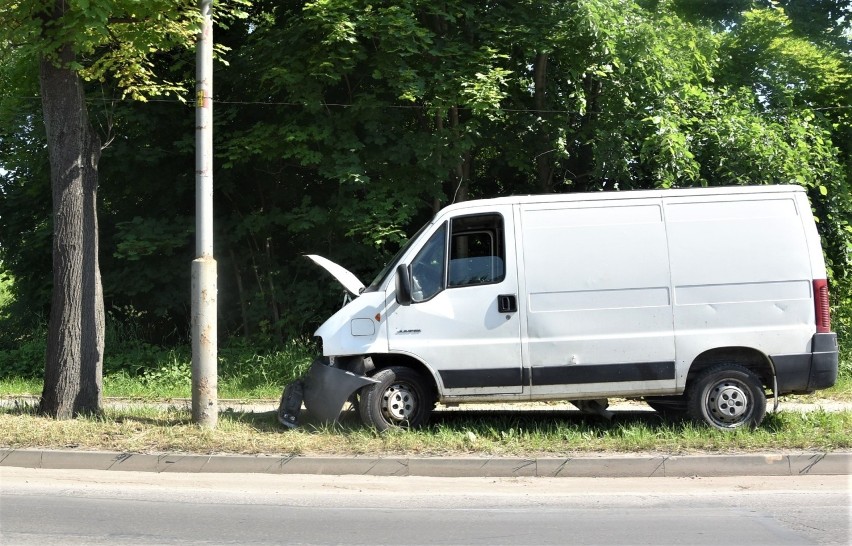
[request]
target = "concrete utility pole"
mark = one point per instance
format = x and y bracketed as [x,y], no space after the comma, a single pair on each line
[205,405]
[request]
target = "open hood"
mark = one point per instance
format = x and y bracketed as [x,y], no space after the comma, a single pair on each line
[349,281]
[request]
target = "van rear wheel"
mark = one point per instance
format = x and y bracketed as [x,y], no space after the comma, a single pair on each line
[727,396]
[401,398]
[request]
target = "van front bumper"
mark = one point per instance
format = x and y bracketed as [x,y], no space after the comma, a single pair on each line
[807,372]
[323,390]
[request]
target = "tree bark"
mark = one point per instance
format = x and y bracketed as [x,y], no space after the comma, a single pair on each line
[582,163]
[461,170]
[241,293]
[74,367]
[544,148]
[439,129]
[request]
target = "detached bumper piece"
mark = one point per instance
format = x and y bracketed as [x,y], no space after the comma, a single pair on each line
[324,390]
[291,404]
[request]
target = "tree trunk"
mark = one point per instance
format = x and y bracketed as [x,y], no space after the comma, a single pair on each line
[241,293]
[75,344]
[273,298]
[582,163]
[439,129]
[461,170]
[545,142]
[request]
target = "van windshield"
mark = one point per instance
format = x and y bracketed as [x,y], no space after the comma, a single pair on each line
[391,265]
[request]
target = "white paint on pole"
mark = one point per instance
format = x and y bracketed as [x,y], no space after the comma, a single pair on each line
[205,409]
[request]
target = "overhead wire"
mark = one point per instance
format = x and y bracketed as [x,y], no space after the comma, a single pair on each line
[190,104]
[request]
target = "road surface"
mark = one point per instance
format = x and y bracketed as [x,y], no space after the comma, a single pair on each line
[97,507]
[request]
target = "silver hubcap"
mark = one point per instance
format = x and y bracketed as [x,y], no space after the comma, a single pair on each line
[728,402]
[399,402]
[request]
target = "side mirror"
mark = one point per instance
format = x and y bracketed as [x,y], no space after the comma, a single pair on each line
[403,285]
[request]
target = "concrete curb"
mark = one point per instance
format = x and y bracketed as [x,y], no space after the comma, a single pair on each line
[822,464]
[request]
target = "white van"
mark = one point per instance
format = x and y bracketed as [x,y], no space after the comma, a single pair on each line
[696,300]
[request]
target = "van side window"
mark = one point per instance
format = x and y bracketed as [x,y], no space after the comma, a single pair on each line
[477,250]
[427,269]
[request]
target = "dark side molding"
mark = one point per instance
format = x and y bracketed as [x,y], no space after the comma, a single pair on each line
[558,375]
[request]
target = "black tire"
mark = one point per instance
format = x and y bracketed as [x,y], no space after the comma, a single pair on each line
[401,398]
[727,396]
[668,406]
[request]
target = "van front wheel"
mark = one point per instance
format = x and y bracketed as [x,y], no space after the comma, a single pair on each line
[400,399]
[726,397]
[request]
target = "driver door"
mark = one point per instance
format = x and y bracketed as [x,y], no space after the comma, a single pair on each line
[463,321]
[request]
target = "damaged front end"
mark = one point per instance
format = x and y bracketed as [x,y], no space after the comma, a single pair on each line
[356,329]
[323,390]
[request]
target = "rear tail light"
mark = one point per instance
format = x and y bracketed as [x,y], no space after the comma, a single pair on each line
[821,306]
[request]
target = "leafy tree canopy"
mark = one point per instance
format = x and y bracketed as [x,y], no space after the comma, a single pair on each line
[341,125]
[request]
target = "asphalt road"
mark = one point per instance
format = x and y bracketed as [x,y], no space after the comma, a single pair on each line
[95,507]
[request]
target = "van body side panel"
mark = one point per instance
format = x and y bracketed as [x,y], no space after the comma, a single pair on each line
[741,274]
[599,316]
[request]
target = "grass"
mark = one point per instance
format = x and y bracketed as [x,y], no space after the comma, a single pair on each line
[140,371]
[492,433]
[122,385]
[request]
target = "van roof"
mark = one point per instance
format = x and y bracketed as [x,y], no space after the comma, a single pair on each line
[626,194]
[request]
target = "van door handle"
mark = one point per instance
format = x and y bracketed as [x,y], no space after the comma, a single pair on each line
[507,303]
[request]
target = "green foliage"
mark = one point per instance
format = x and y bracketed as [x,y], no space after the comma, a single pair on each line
[6,290]
[121,49]
[116,41]
[25,207]
[341,125]
[247,372]
[23,355]
[173,372]
[841,322]
[136,368]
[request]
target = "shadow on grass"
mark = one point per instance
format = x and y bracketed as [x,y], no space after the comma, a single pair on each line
[550,421]
[449,418]
[170,421]
[460,421]
[774,423]
[453,421]
[18,407]
[267,421]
